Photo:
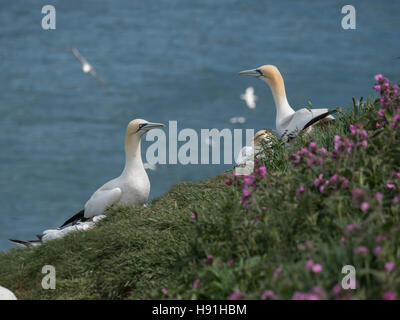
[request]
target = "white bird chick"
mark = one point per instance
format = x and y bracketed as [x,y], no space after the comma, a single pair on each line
[245,158]
[288,121]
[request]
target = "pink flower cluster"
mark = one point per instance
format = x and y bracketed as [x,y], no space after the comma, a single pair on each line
[386,89]
[236,295]
[316,293]
[269,294]
[311,155]
[345,145]
[360,199]
[247,183]
[335,182]
[314,267]
[389,101]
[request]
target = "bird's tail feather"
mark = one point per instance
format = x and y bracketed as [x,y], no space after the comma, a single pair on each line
[23,242]
[76,217]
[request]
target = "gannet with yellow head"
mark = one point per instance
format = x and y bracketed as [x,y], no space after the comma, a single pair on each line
[132,187]
[288,121]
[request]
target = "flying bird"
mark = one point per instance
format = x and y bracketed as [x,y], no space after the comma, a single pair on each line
[288,122]
[249,98]
[240,120]
[86,66]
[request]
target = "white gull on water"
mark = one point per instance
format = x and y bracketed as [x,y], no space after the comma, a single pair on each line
[132,187]
[288,121]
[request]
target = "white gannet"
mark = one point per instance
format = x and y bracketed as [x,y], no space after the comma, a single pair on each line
[86,66]
[288,121]
[52,234]
[249,98]
[132,187]
[6,294]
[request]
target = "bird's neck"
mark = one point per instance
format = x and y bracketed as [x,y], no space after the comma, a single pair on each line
[277,86]
[133,157]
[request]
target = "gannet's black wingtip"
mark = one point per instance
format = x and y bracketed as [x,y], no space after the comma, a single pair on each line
[74,218]
[23,242]
[320,117]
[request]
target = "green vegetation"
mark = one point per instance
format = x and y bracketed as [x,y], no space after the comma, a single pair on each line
[329,199]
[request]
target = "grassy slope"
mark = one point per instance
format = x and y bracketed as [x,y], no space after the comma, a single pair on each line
[131,252]
[137,251]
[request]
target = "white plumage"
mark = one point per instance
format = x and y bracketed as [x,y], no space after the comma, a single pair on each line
[132,187]
[6,294]
[288,121]
[249,98]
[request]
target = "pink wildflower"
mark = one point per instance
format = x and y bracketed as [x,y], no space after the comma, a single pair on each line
[263,171]
[377,250]
[236,295]
[378,196]
[276,272]
[246,192]
[364,206]
[389,295]
[316,268]
[196,283]
[361,250]
[389,266]
[299,191]
[390,186]
[309,264]
[269,294]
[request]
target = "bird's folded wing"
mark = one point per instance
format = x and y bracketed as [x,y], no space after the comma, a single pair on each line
[101,200]
[302,117]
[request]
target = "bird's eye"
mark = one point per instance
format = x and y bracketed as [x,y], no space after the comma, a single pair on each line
[142,125]
[259,72]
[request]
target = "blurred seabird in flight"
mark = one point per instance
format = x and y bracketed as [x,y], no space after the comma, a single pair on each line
[237,120]
[249,98]
[86,66]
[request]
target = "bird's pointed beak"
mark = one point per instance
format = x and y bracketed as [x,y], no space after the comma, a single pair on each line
[153,125]
[252,72]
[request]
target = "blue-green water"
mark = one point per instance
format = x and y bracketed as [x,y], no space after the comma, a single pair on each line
[62,134]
